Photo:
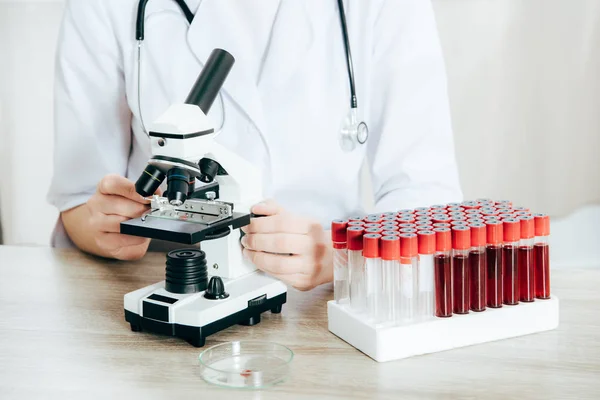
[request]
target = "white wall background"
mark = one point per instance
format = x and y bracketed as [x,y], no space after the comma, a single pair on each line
[524,82]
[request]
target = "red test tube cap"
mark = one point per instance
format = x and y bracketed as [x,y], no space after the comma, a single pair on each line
[338,233]
[442,225]
[355,237]
[470,205]
[426,242]
[406,211]
[461,237]
[371,245]
[356,218]
[459,223]
[527,226]
[390,247]
[511,230]
[542,224]
[443,239]
[437,218]
[493,231]
[406,226]
[390,233]
[409,245]
[408,230]
[478,234]
[372,225]
[373,230]
[356,223]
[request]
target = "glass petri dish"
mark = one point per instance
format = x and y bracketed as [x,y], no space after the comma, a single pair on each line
[246,364]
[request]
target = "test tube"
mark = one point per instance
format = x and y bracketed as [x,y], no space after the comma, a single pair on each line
[340,261]
[408,230]
[390,262]
[477,267]
[421,209]
[356,267]
[459,223]
[373,275]
[371,225]
[391,233]
[470,205]
[426,300]
[542,256]
[356,223]
[409,278]
[423,225]
[402,226]
[441,218]
[510,262]
[405,219]
[442,225]
[443,273]
[526,259]
[461,245]
[493,252]
[379,229]
[503,204]
[406,211]
[453,205]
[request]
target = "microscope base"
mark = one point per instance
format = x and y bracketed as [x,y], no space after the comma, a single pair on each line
[193,318]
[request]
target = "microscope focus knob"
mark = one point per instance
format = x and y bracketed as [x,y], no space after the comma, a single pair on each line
[216,289]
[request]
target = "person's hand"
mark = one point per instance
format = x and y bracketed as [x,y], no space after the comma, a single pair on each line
[293,249]
[95,226]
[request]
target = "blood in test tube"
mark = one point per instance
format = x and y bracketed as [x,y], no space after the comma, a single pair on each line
[340,261]
[542,256]
[409,278]
[373,274]
[443,272]
[526,259]
[461,245]
[477,267]
[426,299]
[390,260]
[442,225]
[493,252]
[356,267]
[510,262]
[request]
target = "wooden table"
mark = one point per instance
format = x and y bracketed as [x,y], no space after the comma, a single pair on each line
[63,335]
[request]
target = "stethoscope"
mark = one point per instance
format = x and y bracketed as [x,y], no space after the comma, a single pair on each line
[353,131]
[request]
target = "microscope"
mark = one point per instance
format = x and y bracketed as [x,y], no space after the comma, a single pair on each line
[209,286]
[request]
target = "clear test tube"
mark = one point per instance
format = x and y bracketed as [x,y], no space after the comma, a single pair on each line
[526,259]
[426,299]
[443,272]
[477,267]
[493,259]
[340,261]
[511,231]
[373,274]
[409,278]
[356,267]
[461,246]
[390,262]
[542,256]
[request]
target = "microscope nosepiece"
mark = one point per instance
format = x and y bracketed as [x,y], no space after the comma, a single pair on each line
[178,181]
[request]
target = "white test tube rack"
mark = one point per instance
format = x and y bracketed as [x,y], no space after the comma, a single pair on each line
[388,343]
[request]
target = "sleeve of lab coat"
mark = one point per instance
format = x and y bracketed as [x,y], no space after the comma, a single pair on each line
[92,119]
[412,154]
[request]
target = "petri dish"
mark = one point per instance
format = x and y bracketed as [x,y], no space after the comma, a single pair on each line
[246,364]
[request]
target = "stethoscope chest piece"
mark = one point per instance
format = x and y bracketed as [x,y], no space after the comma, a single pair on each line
[353,132]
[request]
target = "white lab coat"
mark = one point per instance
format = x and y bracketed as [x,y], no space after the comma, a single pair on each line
[285,98]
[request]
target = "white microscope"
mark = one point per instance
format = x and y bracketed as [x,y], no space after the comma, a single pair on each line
[208,287]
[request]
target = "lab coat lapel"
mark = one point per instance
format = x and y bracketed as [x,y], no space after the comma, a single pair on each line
[223,24]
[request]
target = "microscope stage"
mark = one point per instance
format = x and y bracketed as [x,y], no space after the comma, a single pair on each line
[193,317]
[179,231]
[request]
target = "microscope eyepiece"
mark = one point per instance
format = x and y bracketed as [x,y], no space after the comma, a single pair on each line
[149,181]
[178,181]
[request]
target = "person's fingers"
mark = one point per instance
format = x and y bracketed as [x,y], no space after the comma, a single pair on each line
[267,208]
[114,241]
[107,223]
[276,263]
[279,223]
[132,252]
[115,205]
[120,186]
[301,282]
[282,243]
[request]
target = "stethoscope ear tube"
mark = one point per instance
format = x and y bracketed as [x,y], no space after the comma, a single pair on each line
[141,15]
